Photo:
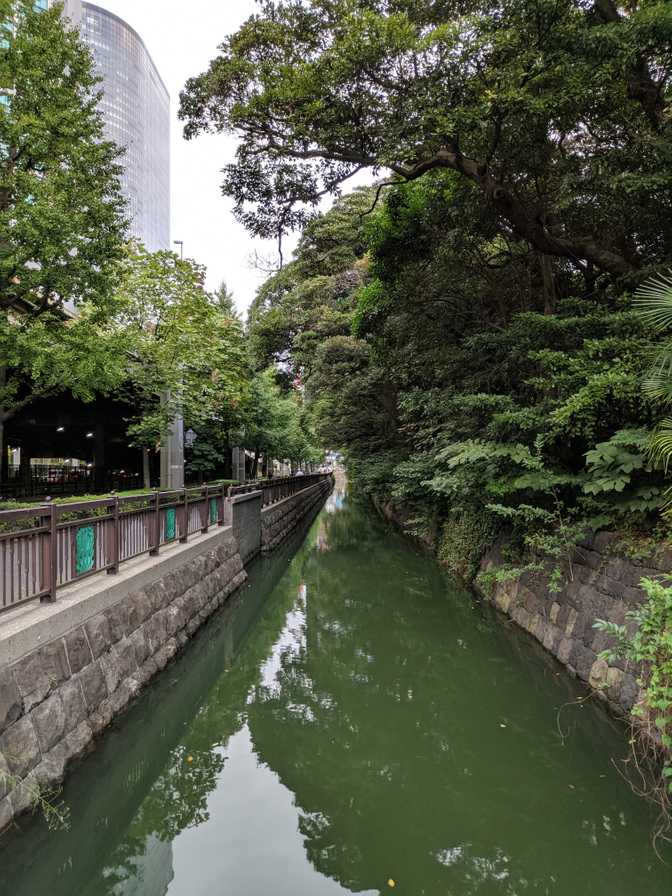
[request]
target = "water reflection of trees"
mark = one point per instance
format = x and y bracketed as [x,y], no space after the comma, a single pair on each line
[385,723]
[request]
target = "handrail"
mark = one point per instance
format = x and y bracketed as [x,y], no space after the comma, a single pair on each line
[278,489]
[49,546]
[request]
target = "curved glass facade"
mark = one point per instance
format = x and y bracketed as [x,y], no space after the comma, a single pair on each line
[136,111]
[72,10]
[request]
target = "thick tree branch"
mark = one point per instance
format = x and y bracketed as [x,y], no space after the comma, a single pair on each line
[379,190]
[523,221]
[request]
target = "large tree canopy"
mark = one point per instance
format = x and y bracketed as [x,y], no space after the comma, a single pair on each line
[556,112]
[61,210]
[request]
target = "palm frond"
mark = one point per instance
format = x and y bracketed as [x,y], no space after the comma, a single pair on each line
[660,448]
[654,302]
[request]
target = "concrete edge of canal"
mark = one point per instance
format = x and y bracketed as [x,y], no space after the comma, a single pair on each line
[68,669]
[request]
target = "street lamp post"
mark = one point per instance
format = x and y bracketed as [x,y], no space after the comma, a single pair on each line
[180,243]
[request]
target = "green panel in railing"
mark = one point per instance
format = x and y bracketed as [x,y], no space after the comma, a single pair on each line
[171,523]
[213,510]
[85,546]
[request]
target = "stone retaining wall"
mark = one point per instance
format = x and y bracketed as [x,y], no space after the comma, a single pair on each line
[244,514]
[280,519]
[58,697]
[600,585]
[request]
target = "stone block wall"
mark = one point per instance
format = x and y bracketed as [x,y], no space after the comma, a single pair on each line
[280,519]
[600,585]
[59,696]
[245,513]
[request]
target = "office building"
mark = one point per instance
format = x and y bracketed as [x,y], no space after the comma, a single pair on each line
[136,111]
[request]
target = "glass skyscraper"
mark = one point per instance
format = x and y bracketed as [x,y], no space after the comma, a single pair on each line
[136,109]
[136,112]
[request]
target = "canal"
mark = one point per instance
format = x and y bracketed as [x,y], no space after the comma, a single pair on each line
[350,722]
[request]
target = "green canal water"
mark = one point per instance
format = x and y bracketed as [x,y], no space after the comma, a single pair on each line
[351,718]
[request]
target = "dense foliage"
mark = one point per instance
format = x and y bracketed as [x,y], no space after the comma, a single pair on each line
[185,352]
[61,209]
[434,361]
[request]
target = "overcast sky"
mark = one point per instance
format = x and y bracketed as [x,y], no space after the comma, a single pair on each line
[182,38]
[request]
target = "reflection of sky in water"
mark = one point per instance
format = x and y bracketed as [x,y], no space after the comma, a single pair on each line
[152,873]
[291,642]
[253,843]
[335,502]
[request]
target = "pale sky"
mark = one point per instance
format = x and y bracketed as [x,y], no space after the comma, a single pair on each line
[182,38]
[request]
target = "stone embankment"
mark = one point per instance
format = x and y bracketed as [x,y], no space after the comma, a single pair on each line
[278,520]
[57,698]
[600,584]
[67,669]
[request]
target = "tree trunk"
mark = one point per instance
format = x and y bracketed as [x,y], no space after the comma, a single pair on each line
[255,464]
[25,472]
[99,471]
[146,477]
[4,464]
[4,460]
[548,280]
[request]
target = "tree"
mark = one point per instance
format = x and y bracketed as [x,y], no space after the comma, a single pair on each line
[310,299]
[61,216]
[275,425]
[184,354]
[61,209]
[224,298]
[557,115]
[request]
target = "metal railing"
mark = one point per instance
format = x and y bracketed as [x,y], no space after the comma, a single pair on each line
[47,547]
[275,490]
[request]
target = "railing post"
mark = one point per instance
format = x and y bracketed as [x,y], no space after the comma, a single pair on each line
[206,524]
[184,536]
[116,537]
[157,525]
[220,515]
[53,553]
[47,575]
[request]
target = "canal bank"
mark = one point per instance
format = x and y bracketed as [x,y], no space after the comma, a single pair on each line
[350,717]
[600,581]
[69,668]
